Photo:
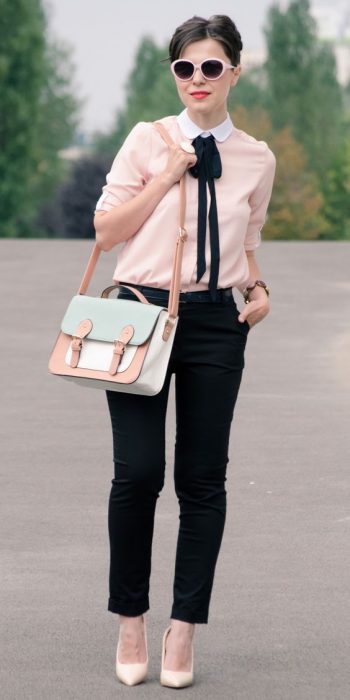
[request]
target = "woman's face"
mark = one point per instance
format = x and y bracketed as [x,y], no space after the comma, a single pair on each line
[206,99]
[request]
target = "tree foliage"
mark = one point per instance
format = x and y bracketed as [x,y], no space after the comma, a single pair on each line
[336,193]
[295,210]
[303,91]
[38,113]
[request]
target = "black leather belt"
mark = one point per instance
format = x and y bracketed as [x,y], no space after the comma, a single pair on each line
[203,296]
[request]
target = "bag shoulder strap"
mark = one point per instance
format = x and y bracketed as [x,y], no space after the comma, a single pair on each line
[174,294]
[164,133]
[173,302]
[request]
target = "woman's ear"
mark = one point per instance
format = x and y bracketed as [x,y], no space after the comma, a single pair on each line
[235,75]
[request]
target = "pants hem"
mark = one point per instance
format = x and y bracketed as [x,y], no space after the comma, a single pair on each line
[188,616]
[129,610]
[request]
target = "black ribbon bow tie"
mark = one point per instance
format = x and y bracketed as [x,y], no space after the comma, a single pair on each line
[207,168]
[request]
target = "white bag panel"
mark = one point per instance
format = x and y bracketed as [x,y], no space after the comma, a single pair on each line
[156,361]
[97,354]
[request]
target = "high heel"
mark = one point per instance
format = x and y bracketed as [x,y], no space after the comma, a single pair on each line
[175,679]
[131,674]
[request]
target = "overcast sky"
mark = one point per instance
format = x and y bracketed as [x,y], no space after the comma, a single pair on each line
[105,34]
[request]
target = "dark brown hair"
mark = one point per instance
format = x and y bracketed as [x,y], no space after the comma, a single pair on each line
[219,27]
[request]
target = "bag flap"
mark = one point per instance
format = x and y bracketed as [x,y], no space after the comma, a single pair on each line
[110,316]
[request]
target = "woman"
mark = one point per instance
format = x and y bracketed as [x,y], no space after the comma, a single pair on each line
[232,173]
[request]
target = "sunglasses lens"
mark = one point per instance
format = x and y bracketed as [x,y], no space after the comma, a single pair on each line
[183,70]
[212,69]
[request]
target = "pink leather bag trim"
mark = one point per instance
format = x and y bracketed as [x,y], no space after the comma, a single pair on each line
[57,364]
[81,332]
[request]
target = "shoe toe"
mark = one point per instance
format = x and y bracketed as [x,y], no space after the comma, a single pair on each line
[176,679]
[131,674]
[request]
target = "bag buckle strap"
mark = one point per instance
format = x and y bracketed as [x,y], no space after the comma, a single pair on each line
[119,348]
[82,331]
[169,325]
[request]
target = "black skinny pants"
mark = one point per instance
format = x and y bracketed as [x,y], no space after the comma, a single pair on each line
[207,359]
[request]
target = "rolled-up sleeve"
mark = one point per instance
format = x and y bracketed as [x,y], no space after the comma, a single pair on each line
[259,202]
[130,169]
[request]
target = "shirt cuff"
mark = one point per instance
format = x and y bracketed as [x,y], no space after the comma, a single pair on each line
[103,204]
[252,245]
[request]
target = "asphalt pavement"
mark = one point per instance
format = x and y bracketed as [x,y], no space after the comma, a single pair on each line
[279,621]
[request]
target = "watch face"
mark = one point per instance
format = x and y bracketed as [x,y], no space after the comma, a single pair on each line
[257,283]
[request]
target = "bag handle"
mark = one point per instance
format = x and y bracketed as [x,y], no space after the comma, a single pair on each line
[173,301]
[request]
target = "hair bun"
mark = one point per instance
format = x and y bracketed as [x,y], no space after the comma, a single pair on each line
[219,27]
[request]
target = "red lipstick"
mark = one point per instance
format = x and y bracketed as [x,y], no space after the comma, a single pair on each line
[199,95]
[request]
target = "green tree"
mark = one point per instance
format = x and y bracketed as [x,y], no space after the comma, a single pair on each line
[336,192]
[57,123]
[303,91]
[295,210]
[38,114]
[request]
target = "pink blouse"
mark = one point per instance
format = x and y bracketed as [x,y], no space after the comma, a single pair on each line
[243,193]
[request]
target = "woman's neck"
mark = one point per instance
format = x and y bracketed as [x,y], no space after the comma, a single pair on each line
[207,121]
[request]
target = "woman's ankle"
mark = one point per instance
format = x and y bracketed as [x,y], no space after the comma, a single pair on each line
[182,628]
[131,625]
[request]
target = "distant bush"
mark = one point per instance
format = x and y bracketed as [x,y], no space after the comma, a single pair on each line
[70,213]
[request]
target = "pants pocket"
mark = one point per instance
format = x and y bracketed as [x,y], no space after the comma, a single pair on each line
[245,325]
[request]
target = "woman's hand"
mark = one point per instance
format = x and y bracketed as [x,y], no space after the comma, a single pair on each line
[257,308]
[178,162]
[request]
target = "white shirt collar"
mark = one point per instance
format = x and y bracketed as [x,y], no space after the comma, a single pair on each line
[192,130]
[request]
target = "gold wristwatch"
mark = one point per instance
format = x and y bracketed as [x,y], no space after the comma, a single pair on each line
[257,283]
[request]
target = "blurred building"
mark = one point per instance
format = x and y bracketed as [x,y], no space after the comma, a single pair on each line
[76,150]
[73,152]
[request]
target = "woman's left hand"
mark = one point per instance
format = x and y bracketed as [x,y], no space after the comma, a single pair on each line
[255,311]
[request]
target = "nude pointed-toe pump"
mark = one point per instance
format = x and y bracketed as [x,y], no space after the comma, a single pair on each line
[174,679]
[131,674]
